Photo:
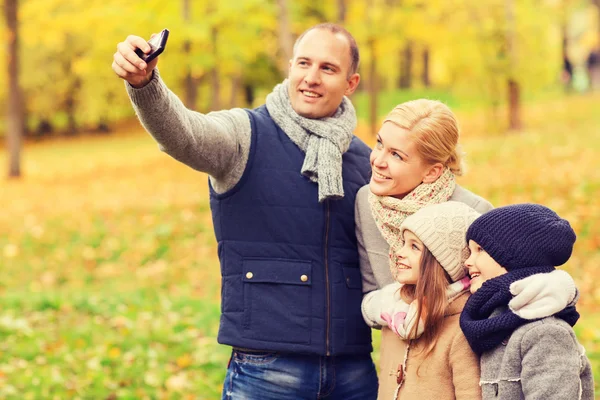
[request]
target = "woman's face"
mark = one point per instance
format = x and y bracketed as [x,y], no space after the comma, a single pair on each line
[397,167]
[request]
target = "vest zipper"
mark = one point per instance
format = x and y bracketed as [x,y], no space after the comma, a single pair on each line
[327,289]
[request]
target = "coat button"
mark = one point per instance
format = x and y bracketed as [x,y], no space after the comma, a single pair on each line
[304,278]
[400,374]
[249,275]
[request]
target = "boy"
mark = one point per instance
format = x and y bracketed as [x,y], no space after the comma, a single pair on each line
[522,359]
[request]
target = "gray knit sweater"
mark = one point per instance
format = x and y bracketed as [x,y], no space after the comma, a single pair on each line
[540,360]
[217,143]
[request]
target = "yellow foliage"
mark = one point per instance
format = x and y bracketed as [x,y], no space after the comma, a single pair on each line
[67,47]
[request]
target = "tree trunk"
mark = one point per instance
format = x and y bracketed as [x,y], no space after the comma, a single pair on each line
[341,11]
[425,78]
[373,88]
[14,123]
[286,44]
[235,88]
[71,103]
[74,84]
[514,100]
[406,57]
[567,65]
[597,4]
[514,105]
[189,83]
[249,95]
[215,101]
[594,72]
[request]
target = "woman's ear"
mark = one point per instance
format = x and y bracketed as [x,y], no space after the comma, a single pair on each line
[433,173]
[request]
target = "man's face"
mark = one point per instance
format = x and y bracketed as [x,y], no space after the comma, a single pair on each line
[318,74]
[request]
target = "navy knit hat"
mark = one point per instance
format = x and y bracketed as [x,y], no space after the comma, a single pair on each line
[524,235]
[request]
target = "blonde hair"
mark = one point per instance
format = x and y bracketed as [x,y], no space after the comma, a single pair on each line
[434,130]
[431,287]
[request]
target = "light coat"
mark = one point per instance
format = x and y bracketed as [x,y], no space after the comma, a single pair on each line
[451,371]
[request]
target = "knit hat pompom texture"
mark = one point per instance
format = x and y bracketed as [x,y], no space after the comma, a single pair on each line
[441,228]
[524,235]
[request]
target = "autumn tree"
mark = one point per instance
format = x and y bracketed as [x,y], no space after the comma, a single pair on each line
[513,87]
[594,68]
[189,82]
[15,121]
[286,41]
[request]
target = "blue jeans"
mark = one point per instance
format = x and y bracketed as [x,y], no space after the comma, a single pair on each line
[277,376]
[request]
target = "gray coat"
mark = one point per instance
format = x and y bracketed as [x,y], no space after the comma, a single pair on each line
[541,360]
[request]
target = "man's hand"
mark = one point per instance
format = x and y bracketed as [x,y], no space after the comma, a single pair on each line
[542,295]
[128,66]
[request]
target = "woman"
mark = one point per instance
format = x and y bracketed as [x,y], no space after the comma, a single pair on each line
[414,164]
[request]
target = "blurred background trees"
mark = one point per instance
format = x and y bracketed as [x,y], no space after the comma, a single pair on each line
[230,53]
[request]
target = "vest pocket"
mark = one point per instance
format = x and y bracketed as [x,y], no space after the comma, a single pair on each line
[356,330]
[277,300]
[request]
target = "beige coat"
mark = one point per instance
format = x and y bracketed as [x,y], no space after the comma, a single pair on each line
[450,372]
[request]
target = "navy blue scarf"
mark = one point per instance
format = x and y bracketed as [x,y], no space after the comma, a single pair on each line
[484,332]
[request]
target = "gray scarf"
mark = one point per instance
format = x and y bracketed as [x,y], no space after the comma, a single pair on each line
[323,140]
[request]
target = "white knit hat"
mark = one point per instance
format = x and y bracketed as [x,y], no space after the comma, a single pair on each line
[442,228]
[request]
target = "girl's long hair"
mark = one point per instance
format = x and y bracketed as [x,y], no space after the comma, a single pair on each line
[430,291]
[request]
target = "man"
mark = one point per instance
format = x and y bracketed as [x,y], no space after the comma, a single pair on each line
[283,180]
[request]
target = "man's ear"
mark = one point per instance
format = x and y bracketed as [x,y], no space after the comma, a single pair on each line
[352,84]
[433,173]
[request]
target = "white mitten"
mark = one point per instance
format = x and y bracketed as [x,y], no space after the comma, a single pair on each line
[402,320]
[379,301]
[542,295]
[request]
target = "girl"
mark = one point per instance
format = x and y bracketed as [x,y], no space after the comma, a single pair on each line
[415,163]
[522,359]
[435,361]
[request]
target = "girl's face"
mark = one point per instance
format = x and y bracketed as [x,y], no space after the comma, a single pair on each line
[396,165]
[481,266]
[410,259]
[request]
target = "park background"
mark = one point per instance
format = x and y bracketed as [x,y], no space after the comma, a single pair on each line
[109,279]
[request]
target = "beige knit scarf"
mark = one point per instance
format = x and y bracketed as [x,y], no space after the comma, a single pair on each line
[389,212]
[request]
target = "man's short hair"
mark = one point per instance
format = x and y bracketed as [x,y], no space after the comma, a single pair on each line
[334,28]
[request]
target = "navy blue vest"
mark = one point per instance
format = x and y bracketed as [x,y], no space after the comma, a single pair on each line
[289,264]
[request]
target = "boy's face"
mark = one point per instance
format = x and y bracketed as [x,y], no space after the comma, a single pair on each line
[481,266]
